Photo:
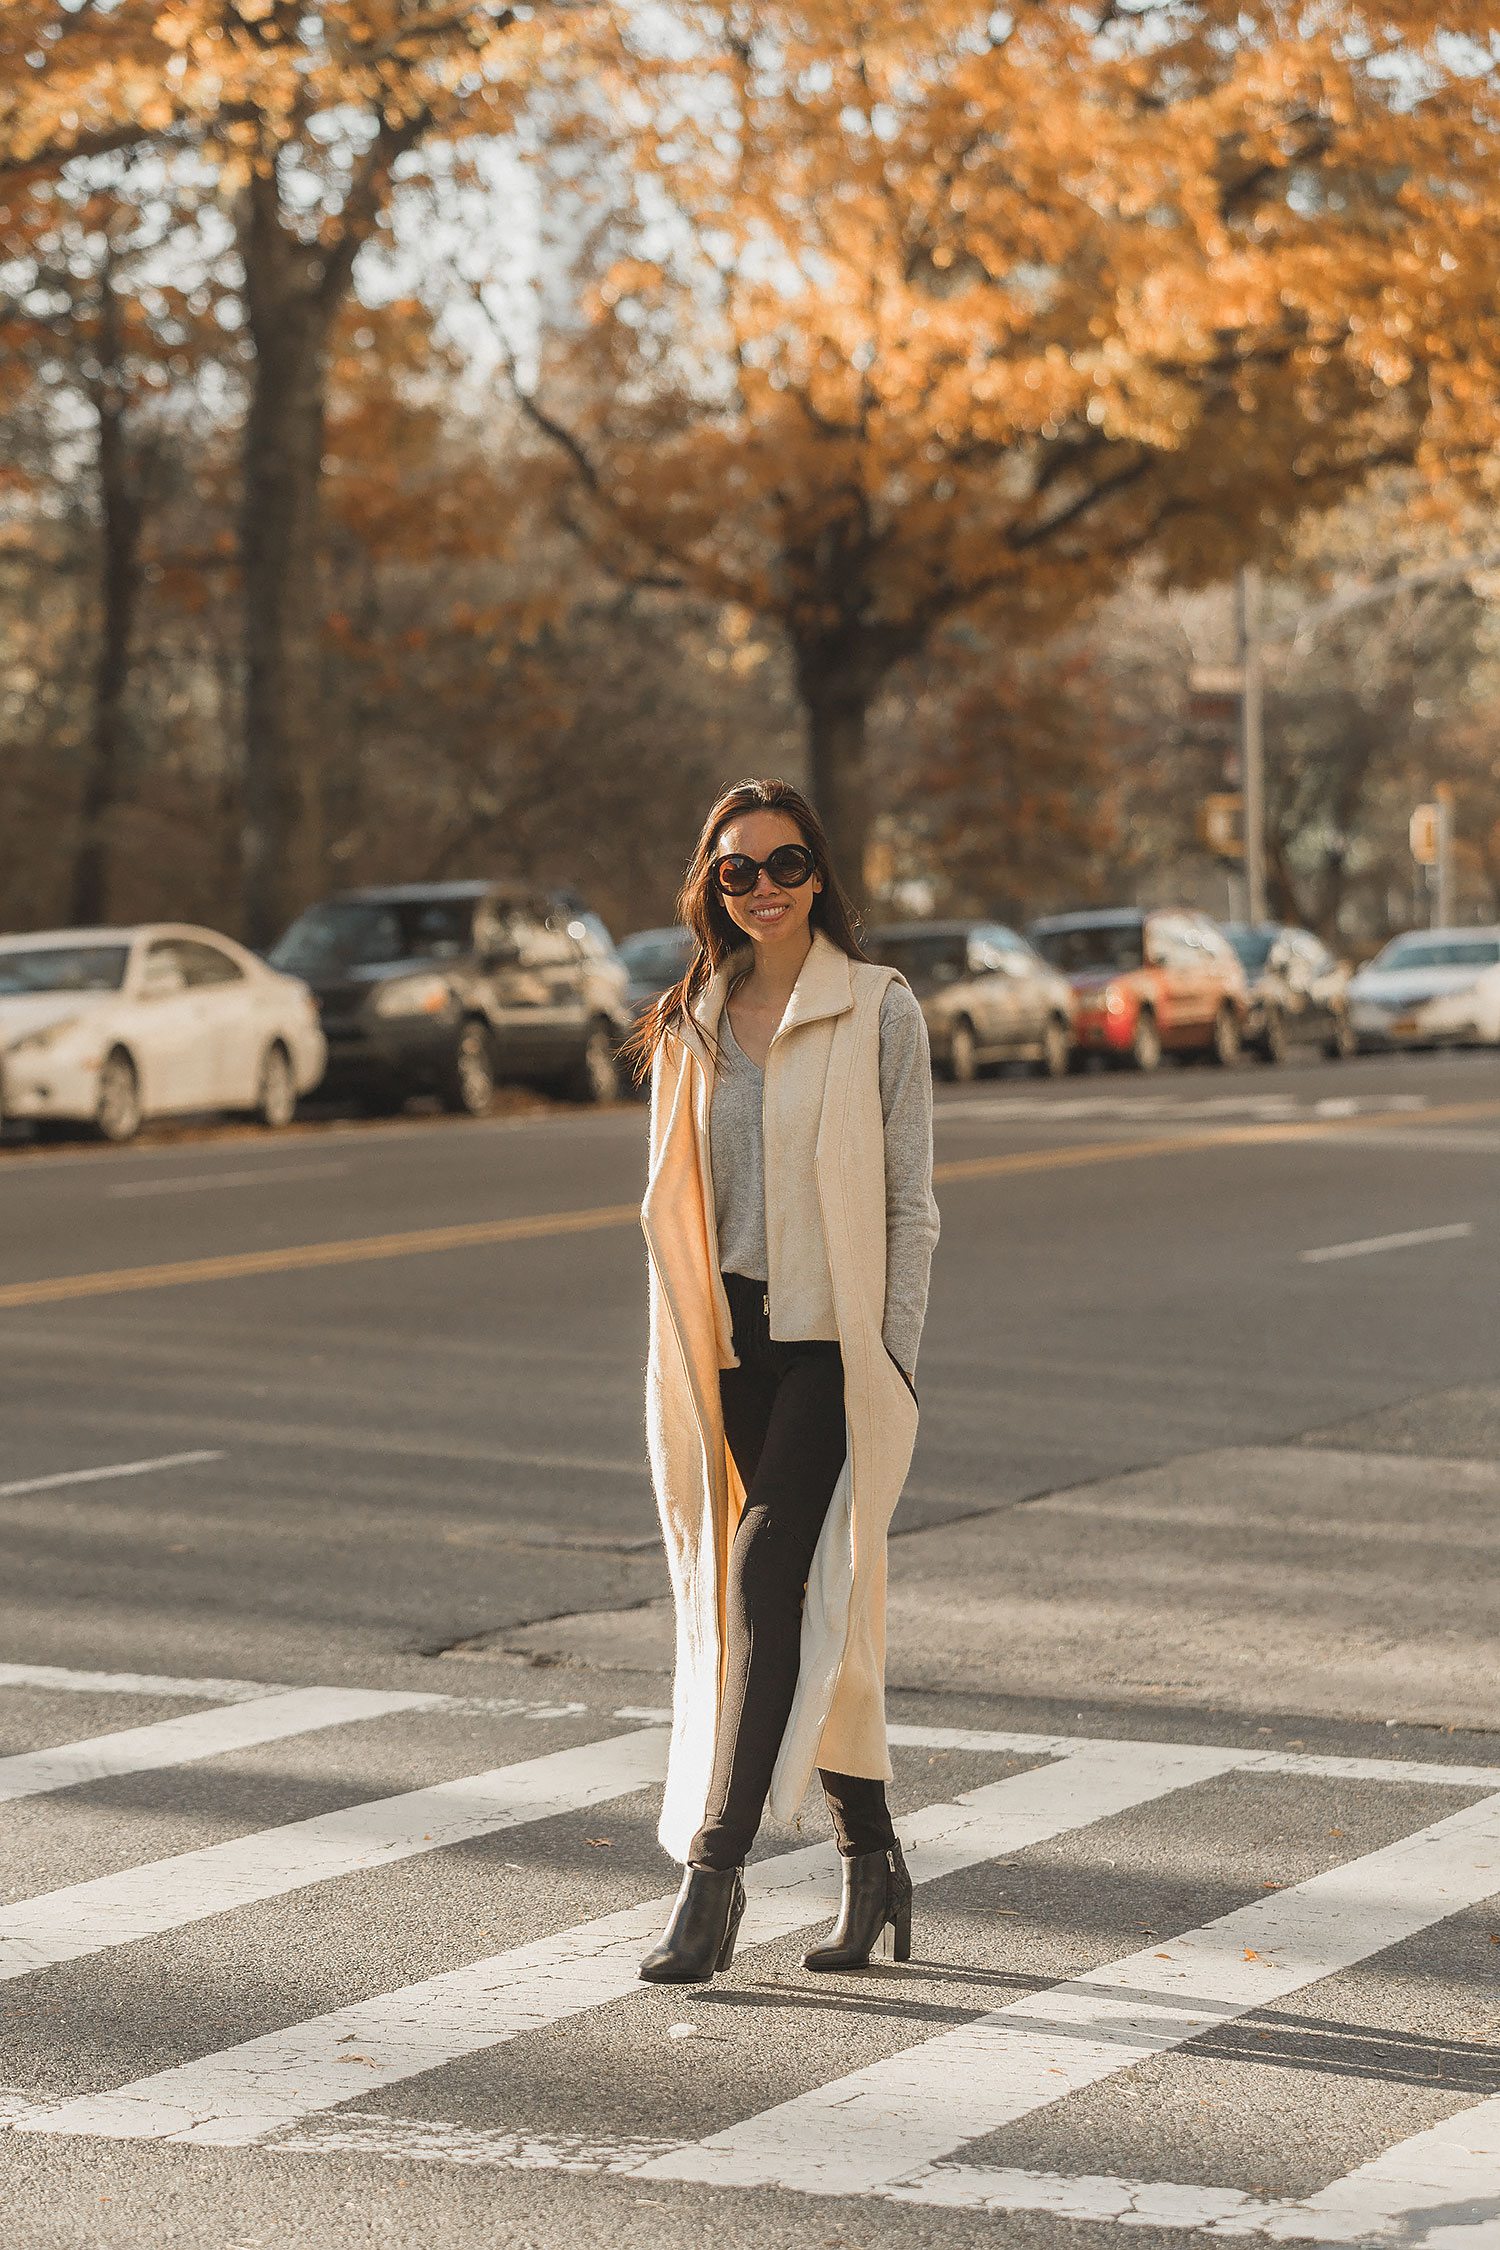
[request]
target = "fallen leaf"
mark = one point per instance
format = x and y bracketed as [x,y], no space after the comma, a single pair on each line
[600,1843]
[1251,1954]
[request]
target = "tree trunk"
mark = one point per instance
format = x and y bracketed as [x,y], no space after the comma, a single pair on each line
[837,703]
[120,512]
[283,466]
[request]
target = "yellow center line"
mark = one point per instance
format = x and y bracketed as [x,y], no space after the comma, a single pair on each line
[301,1257]
[483,1233]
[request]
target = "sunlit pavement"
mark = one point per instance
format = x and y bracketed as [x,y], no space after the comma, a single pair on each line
[336,1661]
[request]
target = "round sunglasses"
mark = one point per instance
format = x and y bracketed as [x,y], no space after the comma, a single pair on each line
[789,867]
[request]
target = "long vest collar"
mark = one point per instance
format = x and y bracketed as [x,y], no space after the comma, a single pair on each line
[824,987]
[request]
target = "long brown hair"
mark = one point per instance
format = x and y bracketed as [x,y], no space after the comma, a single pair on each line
[701,907]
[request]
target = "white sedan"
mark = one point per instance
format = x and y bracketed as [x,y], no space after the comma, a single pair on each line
[1430,988]
[110,1027]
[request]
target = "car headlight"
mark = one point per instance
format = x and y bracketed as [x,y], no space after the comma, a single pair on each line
[413,996]
[34,1042]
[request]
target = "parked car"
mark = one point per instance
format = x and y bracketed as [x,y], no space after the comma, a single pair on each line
[1148,983]
[1299,993]
[1430,988]
[448,987]
[654,960]
[110,1027]
[606,978]
[986,995]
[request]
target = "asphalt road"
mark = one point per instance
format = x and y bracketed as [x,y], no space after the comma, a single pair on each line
[334,1653]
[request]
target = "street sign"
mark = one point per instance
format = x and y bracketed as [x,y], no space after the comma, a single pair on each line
[1423,833]
[1221,824]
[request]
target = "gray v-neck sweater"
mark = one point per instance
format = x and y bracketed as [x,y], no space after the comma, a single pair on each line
[737,1156]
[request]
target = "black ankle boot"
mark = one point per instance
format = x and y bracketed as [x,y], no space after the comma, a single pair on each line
[877,1891]
[705,1923]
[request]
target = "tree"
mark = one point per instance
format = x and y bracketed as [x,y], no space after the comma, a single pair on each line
[91,321]
[307,115]
[906,312]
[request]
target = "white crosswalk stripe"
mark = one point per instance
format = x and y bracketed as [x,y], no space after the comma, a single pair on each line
[886,2123]
[896,2130]
[206,1734]
[249,2091]
[168,1894]
[1434,2189]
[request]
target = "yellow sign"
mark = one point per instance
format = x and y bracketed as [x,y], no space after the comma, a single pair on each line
[1221,824]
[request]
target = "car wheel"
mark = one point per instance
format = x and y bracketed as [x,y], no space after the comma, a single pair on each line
[1271,1045]
[117,1110]
[468,1084]
[1145,1045]
[1343,1043]
[963,1053]
[596,1075]
[1227,1045]
[276,1092]
[1057,1050]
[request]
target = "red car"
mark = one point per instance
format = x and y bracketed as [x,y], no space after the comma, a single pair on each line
[1151,982]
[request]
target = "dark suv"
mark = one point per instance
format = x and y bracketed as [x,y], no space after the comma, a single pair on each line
[447,987]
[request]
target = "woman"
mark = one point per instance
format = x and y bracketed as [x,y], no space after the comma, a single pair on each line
[790,1220]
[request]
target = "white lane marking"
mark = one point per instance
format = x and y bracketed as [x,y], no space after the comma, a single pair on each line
[1146,2203]
[1447,2177]
[1247,1761]
[437,2140]
[1437,2188]
[1376,1242]
[887,2126]
[65,1680]
[248,2092]
[265,1176]
[102,1476]
[1000,1110]
[168,1894]
[981,1739]
[205,1734]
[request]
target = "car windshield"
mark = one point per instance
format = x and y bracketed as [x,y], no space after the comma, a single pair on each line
[1252,945]
[925,957]
[653,958]
[1079,947]
[363,933]
[1417,952]
[63,968]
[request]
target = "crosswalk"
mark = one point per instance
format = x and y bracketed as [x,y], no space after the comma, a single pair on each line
[896,2129]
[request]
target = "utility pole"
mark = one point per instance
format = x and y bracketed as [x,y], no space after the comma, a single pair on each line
[1443,906]
[1252,744]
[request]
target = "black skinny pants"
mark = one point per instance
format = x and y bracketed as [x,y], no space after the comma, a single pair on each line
[784,1419]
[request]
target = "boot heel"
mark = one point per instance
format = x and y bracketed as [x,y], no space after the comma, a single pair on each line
[731,1934]
[901,1932]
